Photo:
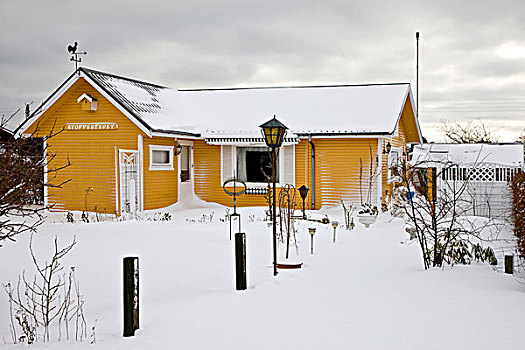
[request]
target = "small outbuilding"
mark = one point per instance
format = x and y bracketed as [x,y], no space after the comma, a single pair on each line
[483,169]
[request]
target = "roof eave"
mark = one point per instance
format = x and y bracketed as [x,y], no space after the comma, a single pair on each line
[371,133]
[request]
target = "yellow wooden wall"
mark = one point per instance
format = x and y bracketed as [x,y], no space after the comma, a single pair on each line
[337,168]
[336,172]
[160,186]
[208,186]
[92,155]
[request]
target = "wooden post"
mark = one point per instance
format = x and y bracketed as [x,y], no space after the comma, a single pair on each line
[131,295]
[509,264]
[240,261]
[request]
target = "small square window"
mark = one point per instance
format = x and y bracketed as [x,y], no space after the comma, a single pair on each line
[161,157]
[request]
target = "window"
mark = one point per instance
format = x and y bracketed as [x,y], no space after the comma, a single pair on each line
[161,157]
[248,164]
[254,164]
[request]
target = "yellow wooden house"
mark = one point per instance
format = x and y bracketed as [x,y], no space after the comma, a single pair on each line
[135,146]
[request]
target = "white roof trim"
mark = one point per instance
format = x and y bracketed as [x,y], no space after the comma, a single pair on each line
[87,97]
[70,83]
[44,107]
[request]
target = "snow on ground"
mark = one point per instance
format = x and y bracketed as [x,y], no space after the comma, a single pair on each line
[366,291]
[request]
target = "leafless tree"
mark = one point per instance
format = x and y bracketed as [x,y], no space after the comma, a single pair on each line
[469,132]
[437,217]
[287,205]
[46,298]
[24,164]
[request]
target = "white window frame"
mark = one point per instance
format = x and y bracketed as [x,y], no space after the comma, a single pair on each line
[255,184]
[391,177]
[153,166]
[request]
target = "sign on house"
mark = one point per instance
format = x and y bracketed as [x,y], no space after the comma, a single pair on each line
[91,126]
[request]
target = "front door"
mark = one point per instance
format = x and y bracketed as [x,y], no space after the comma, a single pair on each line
[129,181]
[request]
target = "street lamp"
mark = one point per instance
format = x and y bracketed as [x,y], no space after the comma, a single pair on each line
[303,191]
[273,132]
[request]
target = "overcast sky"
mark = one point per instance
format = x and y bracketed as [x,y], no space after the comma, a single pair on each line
[472,53]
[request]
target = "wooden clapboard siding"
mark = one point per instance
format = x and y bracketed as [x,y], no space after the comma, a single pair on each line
[208,182]
[337,171]
[208,186]
[92,155]
[160,186]
[302,171]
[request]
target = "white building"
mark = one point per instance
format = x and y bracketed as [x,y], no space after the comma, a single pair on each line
[485,168]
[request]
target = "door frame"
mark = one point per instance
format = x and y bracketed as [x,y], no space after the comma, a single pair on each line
[192,173]
[139,182]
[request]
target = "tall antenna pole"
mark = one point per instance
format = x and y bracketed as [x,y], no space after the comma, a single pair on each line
[417,74]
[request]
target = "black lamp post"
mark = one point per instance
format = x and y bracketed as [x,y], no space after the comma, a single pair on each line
[273,132]
[303,191]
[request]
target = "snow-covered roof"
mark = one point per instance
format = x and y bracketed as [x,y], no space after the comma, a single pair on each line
[360,109]
[509,154]
[238,112]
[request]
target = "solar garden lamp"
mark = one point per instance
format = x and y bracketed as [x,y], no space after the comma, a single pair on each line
[273,132]
[303,191]
[311,231]
[334,225]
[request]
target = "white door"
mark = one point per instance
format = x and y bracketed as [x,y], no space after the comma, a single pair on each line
[129,181]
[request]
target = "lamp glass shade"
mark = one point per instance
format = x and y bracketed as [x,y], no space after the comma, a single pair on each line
[273,132]
[303,191]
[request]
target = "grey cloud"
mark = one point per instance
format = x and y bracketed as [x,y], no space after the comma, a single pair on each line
[238,43]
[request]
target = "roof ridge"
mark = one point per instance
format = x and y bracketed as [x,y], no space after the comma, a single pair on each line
[293,87]
[90,71]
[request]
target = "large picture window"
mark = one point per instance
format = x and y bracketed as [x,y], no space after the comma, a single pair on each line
[254,164]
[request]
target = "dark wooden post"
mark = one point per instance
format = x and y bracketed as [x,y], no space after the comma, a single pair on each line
[509,264]
[240,261]
[131,295]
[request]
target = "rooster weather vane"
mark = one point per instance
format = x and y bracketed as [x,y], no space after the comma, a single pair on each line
[72,49]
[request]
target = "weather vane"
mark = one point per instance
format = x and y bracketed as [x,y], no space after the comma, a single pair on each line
[72,49]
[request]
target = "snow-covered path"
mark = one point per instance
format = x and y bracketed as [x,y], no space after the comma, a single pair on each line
[366,291]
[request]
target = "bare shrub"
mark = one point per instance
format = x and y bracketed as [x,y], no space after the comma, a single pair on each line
[50,296]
